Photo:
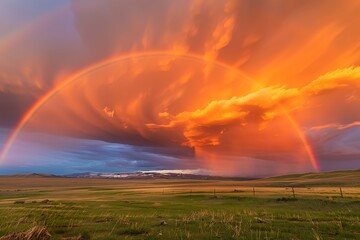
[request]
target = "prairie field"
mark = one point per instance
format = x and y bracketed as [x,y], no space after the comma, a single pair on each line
[310,206]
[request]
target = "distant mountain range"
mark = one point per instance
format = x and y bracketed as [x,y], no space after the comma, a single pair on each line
[333,178]
[151,175]
[350,178]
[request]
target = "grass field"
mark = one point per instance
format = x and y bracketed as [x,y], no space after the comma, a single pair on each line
[184,209]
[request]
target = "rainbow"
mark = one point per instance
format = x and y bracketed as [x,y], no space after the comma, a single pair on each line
[89,70]
[113,60]
[303,139]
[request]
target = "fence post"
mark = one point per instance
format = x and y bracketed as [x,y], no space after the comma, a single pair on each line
[253,191]
[341,193]
[293,192]
[214,193]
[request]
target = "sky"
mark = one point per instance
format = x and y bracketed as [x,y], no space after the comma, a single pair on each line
[230,88]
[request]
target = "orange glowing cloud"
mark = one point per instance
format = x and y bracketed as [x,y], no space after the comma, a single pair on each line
[203,127]
[339,78]
[147,110]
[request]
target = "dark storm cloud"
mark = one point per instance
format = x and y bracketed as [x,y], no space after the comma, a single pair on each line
[336,145]
[336,139]
[12,108]
[35,149]
[99,151]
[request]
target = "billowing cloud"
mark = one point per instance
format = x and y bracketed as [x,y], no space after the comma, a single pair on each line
[204,127]
[340,78]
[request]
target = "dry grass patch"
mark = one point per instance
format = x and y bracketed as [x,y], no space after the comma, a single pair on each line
[35,233]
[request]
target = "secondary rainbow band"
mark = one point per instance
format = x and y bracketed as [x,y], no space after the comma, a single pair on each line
[113,60]
[10,39]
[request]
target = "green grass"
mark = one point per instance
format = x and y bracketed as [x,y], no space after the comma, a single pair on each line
[177,209]
[190,218]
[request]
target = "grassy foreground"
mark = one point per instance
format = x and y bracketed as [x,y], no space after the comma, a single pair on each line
[177,209]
